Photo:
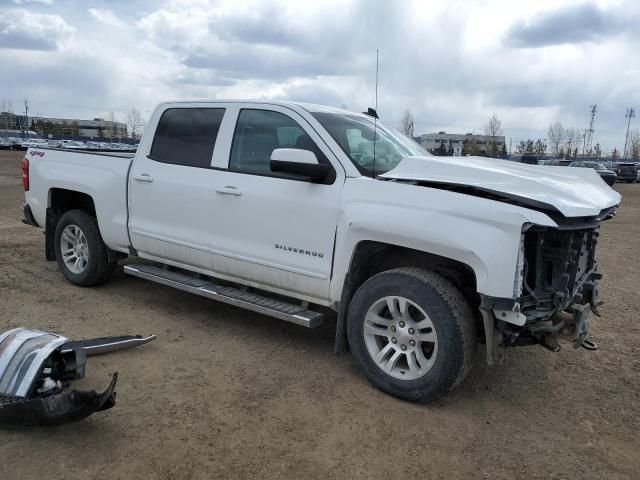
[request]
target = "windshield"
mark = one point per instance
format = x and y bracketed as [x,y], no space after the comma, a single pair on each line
[355,134]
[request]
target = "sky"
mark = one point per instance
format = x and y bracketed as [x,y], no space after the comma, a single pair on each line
[451,63]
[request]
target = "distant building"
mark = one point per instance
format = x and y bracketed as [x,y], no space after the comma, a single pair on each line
[50,127]
[454,141]
[88,129]
[12,125]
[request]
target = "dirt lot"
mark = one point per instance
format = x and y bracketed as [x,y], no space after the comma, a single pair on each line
[224,393]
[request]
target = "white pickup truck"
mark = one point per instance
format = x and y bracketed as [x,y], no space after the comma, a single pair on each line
[287,209]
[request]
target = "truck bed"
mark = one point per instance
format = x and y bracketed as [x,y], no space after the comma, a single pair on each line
[100,175]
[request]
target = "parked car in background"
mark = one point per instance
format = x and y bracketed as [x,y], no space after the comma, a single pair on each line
[557,162]
[609,176]
[528,159]
[74,146]
[34,143]
[58,143]
[5,144]
[626,171]
[15,142]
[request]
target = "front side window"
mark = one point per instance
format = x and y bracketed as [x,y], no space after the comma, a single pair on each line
[258,133]
[186,136]
[359,139]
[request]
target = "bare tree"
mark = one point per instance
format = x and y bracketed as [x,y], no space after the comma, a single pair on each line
[597,150]
[633,150]
[615,155]
[556,135]
[407,123]
[572,137]
[134,120]
[493,129]
[113,125]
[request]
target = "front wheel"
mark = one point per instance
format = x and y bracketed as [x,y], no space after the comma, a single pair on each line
[412,333]
[82,256]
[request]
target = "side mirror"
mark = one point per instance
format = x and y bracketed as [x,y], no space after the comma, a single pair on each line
[298,162]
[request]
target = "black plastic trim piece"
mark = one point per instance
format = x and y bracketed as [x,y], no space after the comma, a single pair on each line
[28,218]
[49,230]
[498,303]
[315,172]
[66,406]
[127,203]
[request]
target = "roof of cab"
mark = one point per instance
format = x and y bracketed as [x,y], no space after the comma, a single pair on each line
[310,107]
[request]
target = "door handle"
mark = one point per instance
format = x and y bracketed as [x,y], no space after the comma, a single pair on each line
[143,177]
[229,190]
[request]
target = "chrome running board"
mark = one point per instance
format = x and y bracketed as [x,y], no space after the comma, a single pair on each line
[234,296]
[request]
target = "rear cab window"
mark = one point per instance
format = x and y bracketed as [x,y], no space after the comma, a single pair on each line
[187,136]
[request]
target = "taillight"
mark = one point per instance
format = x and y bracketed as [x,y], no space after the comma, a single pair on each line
[25,174]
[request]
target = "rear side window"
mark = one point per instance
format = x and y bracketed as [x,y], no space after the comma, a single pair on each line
[186,136]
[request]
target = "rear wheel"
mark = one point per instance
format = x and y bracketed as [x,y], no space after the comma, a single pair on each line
[82,256]
[412,333]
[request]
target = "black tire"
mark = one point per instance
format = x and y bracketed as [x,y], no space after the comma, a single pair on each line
[452,320]
[98,269]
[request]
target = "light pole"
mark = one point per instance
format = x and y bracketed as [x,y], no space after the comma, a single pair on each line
[26,118]
[629,115]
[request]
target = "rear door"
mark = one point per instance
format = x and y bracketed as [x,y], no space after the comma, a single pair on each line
[171,195]
[274,229]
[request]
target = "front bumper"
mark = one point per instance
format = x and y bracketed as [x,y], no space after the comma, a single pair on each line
[27,215]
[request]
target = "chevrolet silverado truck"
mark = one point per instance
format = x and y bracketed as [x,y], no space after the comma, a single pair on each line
[294,210]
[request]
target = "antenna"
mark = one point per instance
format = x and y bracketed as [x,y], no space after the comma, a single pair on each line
[375,121]
[631,113]
[377,64]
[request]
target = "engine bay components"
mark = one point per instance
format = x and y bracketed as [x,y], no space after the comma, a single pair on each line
[37,370]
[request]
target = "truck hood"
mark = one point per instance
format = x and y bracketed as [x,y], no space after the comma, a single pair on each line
[574,192]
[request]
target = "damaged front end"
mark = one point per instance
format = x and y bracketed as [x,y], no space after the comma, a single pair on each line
[36,372]
[558,284]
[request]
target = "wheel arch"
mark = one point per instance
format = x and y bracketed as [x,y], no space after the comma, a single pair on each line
[59,201]
[370,257]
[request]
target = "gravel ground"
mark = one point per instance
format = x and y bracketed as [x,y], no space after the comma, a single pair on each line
[225,393]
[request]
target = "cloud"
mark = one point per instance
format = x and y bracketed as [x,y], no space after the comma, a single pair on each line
[24,2]
[106,17]
[567,25]
[450,62]
[23,30]
[180,27]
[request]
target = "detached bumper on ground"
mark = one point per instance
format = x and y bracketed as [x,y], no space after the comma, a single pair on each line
[36,372]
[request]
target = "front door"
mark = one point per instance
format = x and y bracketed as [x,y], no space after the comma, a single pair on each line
[275,229]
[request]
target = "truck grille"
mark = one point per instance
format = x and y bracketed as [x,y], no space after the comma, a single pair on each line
[557,265]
